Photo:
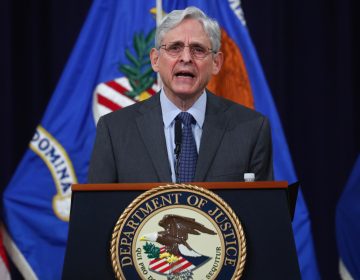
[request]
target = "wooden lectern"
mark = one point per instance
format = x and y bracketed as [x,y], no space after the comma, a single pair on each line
[262,207]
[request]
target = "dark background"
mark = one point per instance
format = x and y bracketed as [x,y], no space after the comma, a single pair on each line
[309,52]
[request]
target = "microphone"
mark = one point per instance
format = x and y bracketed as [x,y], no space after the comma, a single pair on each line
[178,137]
[178,140]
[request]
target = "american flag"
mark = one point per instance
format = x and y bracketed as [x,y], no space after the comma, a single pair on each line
[163,267]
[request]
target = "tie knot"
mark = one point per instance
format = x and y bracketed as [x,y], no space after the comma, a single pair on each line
[186,118]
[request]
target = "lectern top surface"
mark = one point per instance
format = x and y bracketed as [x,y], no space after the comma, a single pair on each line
[206,185]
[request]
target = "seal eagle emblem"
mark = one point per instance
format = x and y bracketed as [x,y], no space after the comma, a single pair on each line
[176,256]
[178,232]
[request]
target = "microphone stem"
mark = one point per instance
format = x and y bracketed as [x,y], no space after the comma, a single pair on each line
[177,150]
[177,162]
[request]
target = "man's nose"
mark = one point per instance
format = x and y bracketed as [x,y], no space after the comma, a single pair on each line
[186,54]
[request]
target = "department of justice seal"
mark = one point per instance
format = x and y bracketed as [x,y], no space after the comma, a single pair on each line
[178,232]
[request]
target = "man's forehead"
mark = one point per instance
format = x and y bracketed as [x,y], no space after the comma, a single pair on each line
[188,29]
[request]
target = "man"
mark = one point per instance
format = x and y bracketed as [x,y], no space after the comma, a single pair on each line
[221,141]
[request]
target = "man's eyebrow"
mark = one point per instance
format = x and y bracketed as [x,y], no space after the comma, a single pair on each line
[196,44]
[176,42]
[191,43]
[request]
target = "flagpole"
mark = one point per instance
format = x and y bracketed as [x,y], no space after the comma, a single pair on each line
[159,15]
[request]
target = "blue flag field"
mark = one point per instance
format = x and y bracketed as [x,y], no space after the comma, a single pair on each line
[109,69]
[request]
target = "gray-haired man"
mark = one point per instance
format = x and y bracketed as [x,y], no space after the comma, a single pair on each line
[137,143]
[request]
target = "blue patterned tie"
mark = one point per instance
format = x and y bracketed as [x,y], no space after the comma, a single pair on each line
[188,155]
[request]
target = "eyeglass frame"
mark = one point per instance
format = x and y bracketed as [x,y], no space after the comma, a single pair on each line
[209,50]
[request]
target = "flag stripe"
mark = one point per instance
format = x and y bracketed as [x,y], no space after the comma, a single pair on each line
[183,267]
[151,91]
[170,266]
[158,263]
[101,110]
[161,266]
[3,257]
[116,86]
[108,103]
[113,95]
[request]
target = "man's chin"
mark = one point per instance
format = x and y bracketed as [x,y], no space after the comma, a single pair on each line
[186,91]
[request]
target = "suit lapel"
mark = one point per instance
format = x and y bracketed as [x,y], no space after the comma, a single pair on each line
[213,132]
[151,129]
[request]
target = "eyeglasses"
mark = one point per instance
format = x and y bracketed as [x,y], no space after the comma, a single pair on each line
[197,51]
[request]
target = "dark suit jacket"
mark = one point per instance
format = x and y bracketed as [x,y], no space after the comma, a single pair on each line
[130,144]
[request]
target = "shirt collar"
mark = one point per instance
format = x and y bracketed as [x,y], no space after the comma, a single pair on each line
[170,111]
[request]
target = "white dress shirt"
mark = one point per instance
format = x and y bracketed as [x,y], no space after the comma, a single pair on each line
[169,113]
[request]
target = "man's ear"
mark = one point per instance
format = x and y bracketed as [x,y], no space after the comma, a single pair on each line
[154,58]
[217,62]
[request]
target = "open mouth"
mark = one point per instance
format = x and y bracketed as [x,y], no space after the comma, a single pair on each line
[184,74]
